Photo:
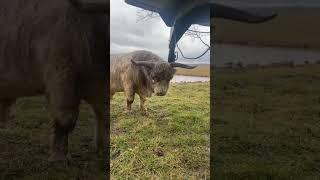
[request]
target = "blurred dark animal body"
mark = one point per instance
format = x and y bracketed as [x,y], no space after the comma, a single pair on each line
[57,48]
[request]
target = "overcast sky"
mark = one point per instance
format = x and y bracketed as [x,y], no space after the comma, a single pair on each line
[127,34]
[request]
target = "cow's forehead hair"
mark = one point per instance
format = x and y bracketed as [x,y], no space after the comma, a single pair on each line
[163,70]
[143,55]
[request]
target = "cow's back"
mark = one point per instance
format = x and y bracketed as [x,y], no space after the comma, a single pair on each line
[120,72]
[124,74]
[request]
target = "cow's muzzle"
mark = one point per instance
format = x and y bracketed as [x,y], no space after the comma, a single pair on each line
[161,93]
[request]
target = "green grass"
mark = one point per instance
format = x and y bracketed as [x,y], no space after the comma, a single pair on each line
[170,142]
[24,148]
[267,123]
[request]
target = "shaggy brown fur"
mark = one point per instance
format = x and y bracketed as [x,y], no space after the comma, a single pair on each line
[52,48]
[141,72]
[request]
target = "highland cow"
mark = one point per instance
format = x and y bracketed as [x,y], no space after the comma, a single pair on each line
[141,72]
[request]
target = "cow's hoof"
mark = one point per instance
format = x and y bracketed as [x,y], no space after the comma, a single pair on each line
[128,111]
[58,157]
[143,111]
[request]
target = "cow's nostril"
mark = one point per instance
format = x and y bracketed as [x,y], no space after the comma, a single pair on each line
[161,94]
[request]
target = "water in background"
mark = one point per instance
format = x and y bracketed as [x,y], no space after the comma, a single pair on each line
[181,79]
[225,53]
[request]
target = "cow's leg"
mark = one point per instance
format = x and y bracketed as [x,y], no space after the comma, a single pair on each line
[130,98]
[7,112]
[142,101]
[64,110]
[12,110]
[101,126]
[64,114]
[98,97]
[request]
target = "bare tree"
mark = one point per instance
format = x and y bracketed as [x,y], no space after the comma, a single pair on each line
[143,15]
[193,31]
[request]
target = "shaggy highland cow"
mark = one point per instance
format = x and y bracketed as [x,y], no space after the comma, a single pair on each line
[57,48]
[141,72]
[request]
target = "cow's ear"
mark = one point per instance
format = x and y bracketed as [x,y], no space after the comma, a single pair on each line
[143,63]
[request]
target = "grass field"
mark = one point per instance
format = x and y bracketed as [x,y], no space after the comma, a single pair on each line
[24,148]
[170,142]
[267,123]
[202,70]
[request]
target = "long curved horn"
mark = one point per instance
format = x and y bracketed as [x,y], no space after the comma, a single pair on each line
[180,65]
[226,12]
[143,63]
[92,6]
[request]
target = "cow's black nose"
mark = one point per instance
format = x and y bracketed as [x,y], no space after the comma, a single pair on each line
[161,94]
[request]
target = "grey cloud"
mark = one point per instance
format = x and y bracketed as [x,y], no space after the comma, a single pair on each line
[126,34]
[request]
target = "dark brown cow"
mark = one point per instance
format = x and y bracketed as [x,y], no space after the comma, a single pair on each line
[57,48]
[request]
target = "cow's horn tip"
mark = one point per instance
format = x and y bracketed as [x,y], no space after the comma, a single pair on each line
[133,61]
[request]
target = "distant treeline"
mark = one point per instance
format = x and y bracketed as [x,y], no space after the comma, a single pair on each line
[276,64]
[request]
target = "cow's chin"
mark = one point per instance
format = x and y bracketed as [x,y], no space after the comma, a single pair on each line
[160,93]
[149,93]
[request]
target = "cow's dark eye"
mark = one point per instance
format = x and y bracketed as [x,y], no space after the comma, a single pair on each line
[155,78]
